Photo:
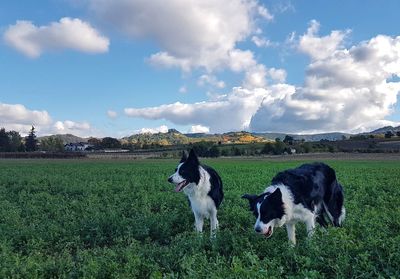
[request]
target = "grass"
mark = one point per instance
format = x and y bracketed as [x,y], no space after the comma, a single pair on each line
[121,219]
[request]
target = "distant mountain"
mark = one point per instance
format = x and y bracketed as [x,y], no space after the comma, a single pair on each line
[197,135]
[172,137]
[383,130]
[306,137]
[66,138]
[242,137]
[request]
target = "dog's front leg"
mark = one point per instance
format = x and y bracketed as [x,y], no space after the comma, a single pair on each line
[199,221]
[213,222]
[291,231]
[310,225]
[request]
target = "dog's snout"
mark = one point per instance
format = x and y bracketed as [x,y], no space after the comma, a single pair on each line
[258,229]
[170,179]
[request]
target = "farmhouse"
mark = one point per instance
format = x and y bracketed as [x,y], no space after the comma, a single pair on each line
[78,146]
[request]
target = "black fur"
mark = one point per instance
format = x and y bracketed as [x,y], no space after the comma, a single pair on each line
[310,184]
[216,191]
[190,171]
[270,209]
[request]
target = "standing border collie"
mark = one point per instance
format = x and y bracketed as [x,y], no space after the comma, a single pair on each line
[202,185]
[306,194]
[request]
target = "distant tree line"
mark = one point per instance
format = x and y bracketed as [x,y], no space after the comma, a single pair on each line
[11,141]
[278,147]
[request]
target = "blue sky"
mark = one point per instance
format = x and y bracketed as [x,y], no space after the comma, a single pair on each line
[114,68]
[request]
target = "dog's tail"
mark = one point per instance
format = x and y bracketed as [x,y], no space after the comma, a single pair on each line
[333,204]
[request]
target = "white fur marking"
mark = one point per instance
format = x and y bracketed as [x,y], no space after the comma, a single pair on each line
[202,205]
[293,213]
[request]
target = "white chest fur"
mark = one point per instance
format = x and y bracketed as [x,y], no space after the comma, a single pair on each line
[200,202]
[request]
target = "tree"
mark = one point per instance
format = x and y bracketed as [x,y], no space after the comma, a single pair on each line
[398,133]
[268,148]
[52,144]
[4,141]
[109,142]
[389,134]
[214,151]
[201,148]
[288,140]
[279,148]
[15,141]
[237,151]
[31,141]
[95,142]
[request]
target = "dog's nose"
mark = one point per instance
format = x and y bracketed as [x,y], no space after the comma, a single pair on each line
[170,179]
[258,229]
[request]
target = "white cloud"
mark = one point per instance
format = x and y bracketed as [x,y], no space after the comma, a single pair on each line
[199,129]
[256,77]
[241,60]
[68,33]
[345,89]
[71,127]
[19,118]
[261,42]
[211,80]
[229,112]
[319,48]
[182,89]
[112,114]
[161,129]
[263,11]
[278,75]
[191,34]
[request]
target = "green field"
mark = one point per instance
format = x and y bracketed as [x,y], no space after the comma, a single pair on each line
[121,219]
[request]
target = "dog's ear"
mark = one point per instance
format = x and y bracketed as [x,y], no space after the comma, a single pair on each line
[193,157]
[275,197]
[184,157]
[251,199]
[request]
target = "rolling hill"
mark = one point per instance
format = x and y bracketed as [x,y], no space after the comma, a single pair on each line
[174,137]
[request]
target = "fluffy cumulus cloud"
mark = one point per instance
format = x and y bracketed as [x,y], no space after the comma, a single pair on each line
[161,129]
[199,129]
[345,89]
[229,112]
[320,47]
[68,33]
[19,118]
[191,34]
[71,127]
[210,80]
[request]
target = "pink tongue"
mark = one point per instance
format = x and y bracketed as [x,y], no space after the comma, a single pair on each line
[178,188]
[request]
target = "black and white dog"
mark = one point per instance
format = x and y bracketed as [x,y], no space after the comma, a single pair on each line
[202,185]
[307,193]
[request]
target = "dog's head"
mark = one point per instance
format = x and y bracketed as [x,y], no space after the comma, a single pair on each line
[268,208]
[186,172]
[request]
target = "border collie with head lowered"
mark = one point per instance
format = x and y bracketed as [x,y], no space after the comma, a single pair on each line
[202,185]
[307,194]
